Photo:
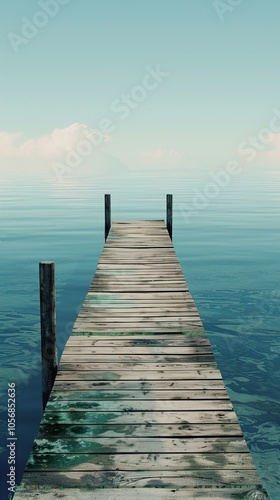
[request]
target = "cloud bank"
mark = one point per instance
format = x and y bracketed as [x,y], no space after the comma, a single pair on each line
[51,146]
[50,154]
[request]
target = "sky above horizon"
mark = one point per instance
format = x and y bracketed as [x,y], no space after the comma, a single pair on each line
[143,84]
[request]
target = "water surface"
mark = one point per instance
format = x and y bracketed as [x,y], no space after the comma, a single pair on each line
[229,252]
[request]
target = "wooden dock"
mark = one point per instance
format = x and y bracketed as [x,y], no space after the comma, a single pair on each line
[139,408]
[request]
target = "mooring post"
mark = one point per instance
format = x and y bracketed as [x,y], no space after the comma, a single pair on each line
[107,214]
[169,209]
[48,328]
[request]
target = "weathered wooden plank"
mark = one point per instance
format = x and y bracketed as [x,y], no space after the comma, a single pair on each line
[184,328]
[168,359]
[135,276]
[148,394]
[118,227]
[101,312]
[138,350]
[143,300]
[130,229]
[164,298]
[139,295]
[141,461]
[130,323]
[138,222]
[133,324]
[123,328]
[147,236]
[122,331]
[144,232]
[138,270]
[123,307]
[87,312]
[147,322]
[140,273]
[140,405]
[137,281]
[76,371]
[140,430]
[138,255]
[131,251]
[153,259]
[153,493]
[136,245]
[127,342]
[140,341]
[161,301]
[147,418]
[138,326]
[140,266]
[213,478]
[128,444]
[147,240]
[129,315]
[144,253]
[131,254]
[175,284]
[114,366]
[129,304]
[121,317]
[136,229]
[63,384]
[148,232]
[157,331]
[134,287]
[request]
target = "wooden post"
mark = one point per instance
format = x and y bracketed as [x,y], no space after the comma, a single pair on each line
[48,328]
[169,210]
[107,214]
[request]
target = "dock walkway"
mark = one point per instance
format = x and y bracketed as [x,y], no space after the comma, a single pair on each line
[139,408]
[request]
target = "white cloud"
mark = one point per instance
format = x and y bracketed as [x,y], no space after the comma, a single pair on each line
[162,158]
[49,153]
[51,146]
[260,152]
[8,143]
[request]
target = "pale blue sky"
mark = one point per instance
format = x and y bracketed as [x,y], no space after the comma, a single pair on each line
[223,83]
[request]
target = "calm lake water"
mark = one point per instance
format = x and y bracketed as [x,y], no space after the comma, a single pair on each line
[228,245]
